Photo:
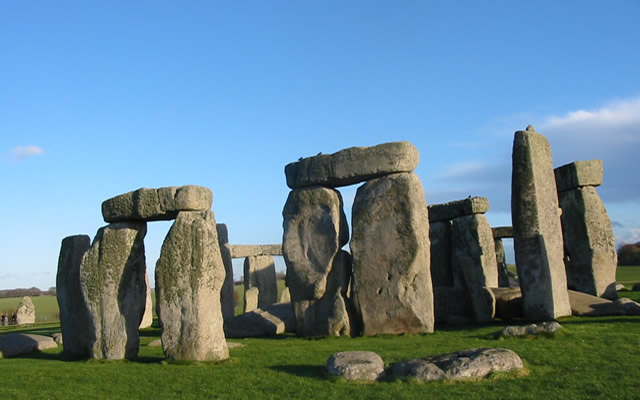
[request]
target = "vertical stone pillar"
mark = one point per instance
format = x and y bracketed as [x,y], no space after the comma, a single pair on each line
[147,317]
[189,275]
[474,257]
[260,272]
[440,238]
[392,288]
[499,233]
[537,232]
[74,312]
[226,293]
[112,281]
[590,254]
[318,272]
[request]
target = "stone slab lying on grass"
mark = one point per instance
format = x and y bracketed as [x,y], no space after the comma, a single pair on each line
[156,204]
[16,344]
[532,329]
[352,165]
[356,365]
[274,320]
[458,208]
[474,363]
[586,305]
[578,174]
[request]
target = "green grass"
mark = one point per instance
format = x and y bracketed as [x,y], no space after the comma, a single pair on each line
[585,360]
[46,307]
[628,275]
[239,294]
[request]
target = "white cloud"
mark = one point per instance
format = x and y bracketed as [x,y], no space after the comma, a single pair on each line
[19,153]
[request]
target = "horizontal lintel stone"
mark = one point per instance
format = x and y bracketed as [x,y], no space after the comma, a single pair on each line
[458,208]
[251,250]
[501,232]
[578,174]
[352,165]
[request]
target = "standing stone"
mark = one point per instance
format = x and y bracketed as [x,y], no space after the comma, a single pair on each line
[260,272]
[392,288]
[74,312]
[474,257]
[112,281]
[501,261]
[251,299]
[285,296]
[189,275]
[26,312]
[440,238]
[147,317]
[226,293]
[318,272]
[589,244]
[537,232]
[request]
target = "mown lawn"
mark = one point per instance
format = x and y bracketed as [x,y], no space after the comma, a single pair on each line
[589,358]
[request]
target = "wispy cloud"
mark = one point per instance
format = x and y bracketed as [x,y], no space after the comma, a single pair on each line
[19,153]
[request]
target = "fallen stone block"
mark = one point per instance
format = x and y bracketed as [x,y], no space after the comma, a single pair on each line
[356,365]
[532,329]
[275,320]
[352,165]
[16,344]
[578,174]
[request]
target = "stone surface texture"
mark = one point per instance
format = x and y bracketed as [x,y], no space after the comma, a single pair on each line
[147,317]
[537,231]
[74,312]
[275,320]
[16,344]
[392,288]
[189,275]
[250,299]
[440,238]
[508,302]
[531,329]
[473,252]
[356,365]
[352,165]
[26,312]
[501,261]
[248,250]
[112,281]
[260,272]
[502,232]
[452,305]
[156,204]
[578,174]
[458,208]
[473,363]
[586,305]
[589,244]
[226,293]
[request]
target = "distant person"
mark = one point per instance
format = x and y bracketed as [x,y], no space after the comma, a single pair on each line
[14,319]
[5,319]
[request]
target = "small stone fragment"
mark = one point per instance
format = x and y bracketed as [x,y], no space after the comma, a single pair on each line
[356,365]
[532,329]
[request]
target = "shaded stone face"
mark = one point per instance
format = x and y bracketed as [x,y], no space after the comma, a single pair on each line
[537,232]
[578,174]
[189,276]
[226,293]
[440,238]
[112,281]
[458,208]
[156,204]
[260,272]
[74,312]
[392,288]
[473,250]
[315,229]
[501,261]
[352,165]
[590,253]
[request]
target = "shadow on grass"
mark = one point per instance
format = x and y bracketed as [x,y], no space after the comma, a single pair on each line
[304,371]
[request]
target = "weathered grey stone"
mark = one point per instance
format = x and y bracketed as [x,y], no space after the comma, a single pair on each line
[583,304]
[474,363]
[531,329]
[452,305]
[392,288]
[502,232]
[57,337]
[285,296]
[458,208]
[579,174]
[260,272]
[508,302]
[589,246]
[26,312]
[16,344]
[315,229]
[352,165]
[501,261]
[537,233]
[74,312]
[473,252]
[227,291]
[156,204]
[356,365]
[331,314]
[147,317]
[189,276]
[248,250]
[440,238]
[250,299]
[234,345]
[112,281]
[483,303]
[275,320]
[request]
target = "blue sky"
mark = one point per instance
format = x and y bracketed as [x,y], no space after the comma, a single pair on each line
[101,98]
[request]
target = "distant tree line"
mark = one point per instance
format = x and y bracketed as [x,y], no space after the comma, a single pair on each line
[629,254]
[32,292]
